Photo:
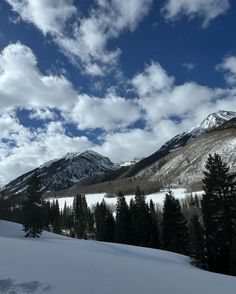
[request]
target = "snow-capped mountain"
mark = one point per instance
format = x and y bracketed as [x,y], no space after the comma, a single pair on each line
[211,122]
[65,172]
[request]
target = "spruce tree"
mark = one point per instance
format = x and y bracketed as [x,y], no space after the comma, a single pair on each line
[56,218]
[197,250]
[104,223]
[81,213]
[219,213]
[32,209]
[154,227]
[123,221]
[174,226]
[141,219]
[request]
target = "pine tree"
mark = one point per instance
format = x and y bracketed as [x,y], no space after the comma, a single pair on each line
[233,255]
[123,221]
[174,226]
[141,219]
[197,251]
[154,228]
[104,223]
[57,218]
[81,213]
[219,213]
[32,209]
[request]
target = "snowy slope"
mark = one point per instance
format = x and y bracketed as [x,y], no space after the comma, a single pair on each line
[65,172]
[211,122]
[59,265]
[186,165]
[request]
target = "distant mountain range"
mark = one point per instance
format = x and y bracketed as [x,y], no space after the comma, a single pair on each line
[179,161]
[63,173]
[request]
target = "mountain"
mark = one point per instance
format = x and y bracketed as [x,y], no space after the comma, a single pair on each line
[184,166]
[211,122]
[179,161]
[64,172]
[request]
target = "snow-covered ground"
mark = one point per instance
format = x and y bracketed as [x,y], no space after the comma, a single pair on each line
[58,265]
[92,199]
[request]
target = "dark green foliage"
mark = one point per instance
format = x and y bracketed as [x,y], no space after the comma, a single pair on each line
[123,221]
[233,255]
[141,219]
[56,218]
[174,226]
[197,250]
[80,218]
[219,213]
[32,210]
[154,241]
[104,223]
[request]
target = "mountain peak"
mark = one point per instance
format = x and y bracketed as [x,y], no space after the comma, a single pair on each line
[216,119]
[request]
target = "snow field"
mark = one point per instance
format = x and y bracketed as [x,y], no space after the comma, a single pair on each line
[57,265]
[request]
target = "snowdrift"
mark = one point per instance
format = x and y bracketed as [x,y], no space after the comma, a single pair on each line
[58,265]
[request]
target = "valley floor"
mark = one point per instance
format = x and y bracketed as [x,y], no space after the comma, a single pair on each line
[58,265]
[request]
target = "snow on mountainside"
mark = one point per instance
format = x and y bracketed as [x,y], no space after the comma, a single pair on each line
[64,172]
[186,165]
[212,121]
[55,264]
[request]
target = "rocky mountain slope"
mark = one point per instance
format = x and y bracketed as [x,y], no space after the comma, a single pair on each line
[211,122]
[185,166]
[64,172]
[179,161]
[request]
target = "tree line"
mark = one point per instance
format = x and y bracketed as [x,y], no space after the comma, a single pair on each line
[202,228]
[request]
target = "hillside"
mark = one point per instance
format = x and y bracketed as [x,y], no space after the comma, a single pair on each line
[57,265]
[64,172]
[185,166]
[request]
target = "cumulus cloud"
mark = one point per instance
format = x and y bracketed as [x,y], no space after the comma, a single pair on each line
[228,66]
[29,87]
[107,113]
[49,16]
[30,148]
[207,10]
[129,144]
[84,40]
[153,79]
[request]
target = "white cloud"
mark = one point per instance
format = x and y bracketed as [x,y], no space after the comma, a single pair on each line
[207,10]
[84,40]
[153,79]
[122,146]
[111,112]
[31,148]
[29,88]
[49,16]
[229,67]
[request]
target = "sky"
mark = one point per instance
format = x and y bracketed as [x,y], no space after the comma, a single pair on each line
[120,77]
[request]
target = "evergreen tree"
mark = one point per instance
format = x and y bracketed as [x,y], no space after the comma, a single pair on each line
[104,223]
[142,223]
[56,218]
[81,213]
[219,213]
[233,255]
[154,229]
[123,221]
[174,226]
[32,209]
[197,251]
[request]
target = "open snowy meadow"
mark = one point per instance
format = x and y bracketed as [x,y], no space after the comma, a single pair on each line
[93,199]
[55,264]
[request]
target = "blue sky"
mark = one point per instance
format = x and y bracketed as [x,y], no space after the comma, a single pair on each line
[117,76]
